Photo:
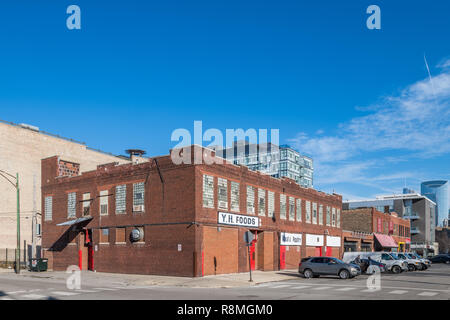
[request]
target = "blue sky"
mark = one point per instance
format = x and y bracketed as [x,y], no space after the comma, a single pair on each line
[359,101]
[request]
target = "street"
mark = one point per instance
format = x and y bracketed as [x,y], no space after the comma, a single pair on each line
[433,283]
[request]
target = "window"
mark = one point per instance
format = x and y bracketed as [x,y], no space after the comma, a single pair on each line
[250,200]
[308,211]
[138,197]
[271,204]
[291,208]
[222,193]
[208,191]
[261,202]
[338,218]
[328,216]
[299,210]
[283,206]
[48,207]
[333,217]
[71,205]
[235,196]
[121,195]
[104,235]
[120,235]
[104,202]
[314,215]
[321,214]
[86,204]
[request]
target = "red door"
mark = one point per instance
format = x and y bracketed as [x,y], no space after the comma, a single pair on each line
[252,255]
[282,257]
[318,251]
[329,251]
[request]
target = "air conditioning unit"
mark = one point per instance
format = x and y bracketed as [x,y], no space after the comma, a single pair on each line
[223,204]
[139,208]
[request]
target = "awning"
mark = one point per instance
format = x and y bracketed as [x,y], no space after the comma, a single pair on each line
[386,241]
[76,221]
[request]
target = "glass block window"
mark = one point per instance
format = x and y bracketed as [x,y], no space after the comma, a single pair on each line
[104,202]
[283,206]
[48,207]
[72,205]
[138,197]
[208,191]
[261,202]
[321,214]
[328,216]
[338,218]
[333,217]
[250,200]
[222,193]
[291,208]
[308,211]
[299,210]
[235,196]
[271,204]
[121,199]
[86,204]
[314,213]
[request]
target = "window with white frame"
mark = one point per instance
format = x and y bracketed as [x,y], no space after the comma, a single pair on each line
[271,204]
[121,199]
[328,216]
[333,217]
[261,202]
[338,218]
[86,204]
[48,207]
[291,208]
[235,196]
[321,214]
[250,200]
[208,191]
[283,206]
[308,211]
[314,213]
[299,210]
[222,193]
[138,197]
[104,202]
[72,205]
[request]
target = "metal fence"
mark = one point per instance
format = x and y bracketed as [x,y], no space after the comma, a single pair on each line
[8,256]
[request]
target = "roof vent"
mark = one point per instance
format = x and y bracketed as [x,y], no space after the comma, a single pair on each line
[29,127]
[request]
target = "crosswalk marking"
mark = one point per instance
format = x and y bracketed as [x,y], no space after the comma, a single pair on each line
[301,287]
[398,292]
[370,290]
[64,293]
[346,289]
[16,292]
[6,298]
[107,289]
[86,291]
[322,288]
[33,296]
[427,294]
[281,286]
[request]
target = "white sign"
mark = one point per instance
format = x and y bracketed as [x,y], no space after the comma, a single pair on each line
[179,247]
[290,239]
[333,241]
[237,220]
[314,240]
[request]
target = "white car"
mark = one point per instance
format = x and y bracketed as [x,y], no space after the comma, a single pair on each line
[425,262]
[413,263]
[392,264]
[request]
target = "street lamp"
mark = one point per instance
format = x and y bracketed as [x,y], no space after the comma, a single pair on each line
[15,185]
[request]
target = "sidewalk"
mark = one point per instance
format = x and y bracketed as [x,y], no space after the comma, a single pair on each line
[217,281]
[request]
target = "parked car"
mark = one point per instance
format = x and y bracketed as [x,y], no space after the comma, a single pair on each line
[317,266]
[425,262]
[368,265]
[413,263]
[391,264]
[441,258]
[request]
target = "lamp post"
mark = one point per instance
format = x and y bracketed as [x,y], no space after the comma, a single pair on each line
[15,185]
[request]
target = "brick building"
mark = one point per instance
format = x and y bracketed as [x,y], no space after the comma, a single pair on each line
[367,229]
[186,220]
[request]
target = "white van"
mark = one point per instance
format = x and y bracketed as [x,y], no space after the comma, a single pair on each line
[392,264]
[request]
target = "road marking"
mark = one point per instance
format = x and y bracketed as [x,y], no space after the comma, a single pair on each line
[64,293]
[107,289]
[322,288]
[346,289]
[370,290]
[86,291]
[33,296]
[398,292]
[6,298]
[281,286]
[301,287]
[427,294]
[16,292]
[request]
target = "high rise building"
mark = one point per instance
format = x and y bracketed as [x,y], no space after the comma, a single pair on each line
[438,191]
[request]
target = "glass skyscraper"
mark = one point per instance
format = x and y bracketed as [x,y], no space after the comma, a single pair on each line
[438,191]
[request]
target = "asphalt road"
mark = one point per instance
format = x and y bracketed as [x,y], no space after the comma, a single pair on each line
[433,283]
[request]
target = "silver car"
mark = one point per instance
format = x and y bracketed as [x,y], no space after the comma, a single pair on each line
[314,267]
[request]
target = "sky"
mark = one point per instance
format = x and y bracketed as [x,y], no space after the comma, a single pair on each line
[359,101]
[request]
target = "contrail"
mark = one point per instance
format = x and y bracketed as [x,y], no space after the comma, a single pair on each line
[429,74]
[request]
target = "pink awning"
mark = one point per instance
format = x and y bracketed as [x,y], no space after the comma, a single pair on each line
[386,241]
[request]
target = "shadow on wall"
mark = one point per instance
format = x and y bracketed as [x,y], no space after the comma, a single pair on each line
[68,236]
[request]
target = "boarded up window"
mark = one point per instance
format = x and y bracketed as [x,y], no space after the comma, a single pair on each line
[338,218]
[314,213]
[104,202]
[333,217]
[271,204]
[138,196]
[121,199]
[120,235]
[308,211]
[208,191]
[282,206]
[299,210]
[321,214]
[328,216]
[261,202]
[71,205]
[235,196]
[291,208]
[222,193]
[250,200]
[48,207]
[104,235]
[86,204]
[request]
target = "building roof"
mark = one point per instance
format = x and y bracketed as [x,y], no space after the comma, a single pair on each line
[381,199]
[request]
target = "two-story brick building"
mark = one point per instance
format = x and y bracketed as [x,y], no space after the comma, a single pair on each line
[187,219]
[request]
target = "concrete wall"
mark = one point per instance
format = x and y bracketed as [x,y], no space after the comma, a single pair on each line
[21,150]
